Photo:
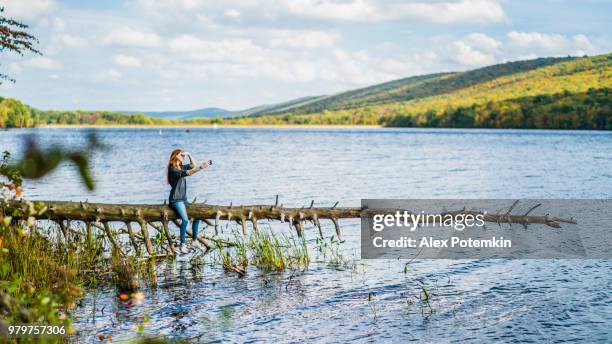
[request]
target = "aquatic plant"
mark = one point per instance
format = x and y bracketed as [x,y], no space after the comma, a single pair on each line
[273,253]
[263,249]
[229,262]
[267,252]
[425,295]
[330,252]
[299,252]
[372,305]
[124,273]
[241,249]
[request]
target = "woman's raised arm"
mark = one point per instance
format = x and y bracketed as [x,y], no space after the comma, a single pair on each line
[198,168]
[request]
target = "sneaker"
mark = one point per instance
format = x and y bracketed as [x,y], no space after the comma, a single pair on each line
[183,249]
[196,244]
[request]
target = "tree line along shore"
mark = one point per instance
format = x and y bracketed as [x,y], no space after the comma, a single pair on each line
[567,110]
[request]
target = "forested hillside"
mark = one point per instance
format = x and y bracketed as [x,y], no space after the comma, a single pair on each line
[413,87]
[269,108]
[588,110]
[571,80]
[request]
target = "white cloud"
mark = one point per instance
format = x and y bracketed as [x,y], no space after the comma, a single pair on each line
[478,49]
[232,13]
[188,5]
[243,58]
[72,40]
[132,38]
[446,12]
[464,11]
[59,24]
[233,49]
[354,10]
[537,40]
[28,9]
[483,42]
[528,57]
[550,44]
[114,74]
[582,42]
[440,11]
[187,43]
[42,62]
[468,56]
[303,39]
[475,50]
[126,60]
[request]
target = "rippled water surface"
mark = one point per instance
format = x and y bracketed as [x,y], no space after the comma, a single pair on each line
[472,300]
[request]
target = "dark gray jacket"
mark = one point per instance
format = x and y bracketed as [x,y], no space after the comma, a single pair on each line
[178,182]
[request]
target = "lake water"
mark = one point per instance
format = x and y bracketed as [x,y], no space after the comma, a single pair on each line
[473,300]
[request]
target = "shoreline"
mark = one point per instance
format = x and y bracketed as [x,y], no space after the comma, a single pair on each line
[138,126]
[285,127]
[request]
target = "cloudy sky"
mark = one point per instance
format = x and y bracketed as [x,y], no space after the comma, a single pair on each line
[154,55]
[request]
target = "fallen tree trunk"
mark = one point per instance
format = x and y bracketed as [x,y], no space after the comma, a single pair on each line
[148,215]
[101,212]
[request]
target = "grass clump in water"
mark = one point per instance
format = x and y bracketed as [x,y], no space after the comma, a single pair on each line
[231,262]
[265,250]
[329,251]
[273,253]
[124,273]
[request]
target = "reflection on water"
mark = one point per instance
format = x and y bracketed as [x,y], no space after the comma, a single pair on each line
[474,300]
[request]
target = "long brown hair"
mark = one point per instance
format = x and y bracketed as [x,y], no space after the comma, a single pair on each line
[173,162]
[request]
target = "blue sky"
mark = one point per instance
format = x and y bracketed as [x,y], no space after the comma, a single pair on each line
[154,55]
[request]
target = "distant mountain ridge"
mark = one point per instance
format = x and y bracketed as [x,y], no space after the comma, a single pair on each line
[209,112]
[212,112]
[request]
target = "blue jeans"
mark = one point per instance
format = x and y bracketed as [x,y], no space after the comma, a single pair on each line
[181,210]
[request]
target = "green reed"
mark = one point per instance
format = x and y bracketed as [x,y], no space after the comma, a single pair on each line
[329,251]
[265,250]
[277,253]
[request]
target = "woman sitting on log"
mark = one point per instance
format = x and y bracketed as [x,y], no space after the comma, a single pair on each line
[177,171]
